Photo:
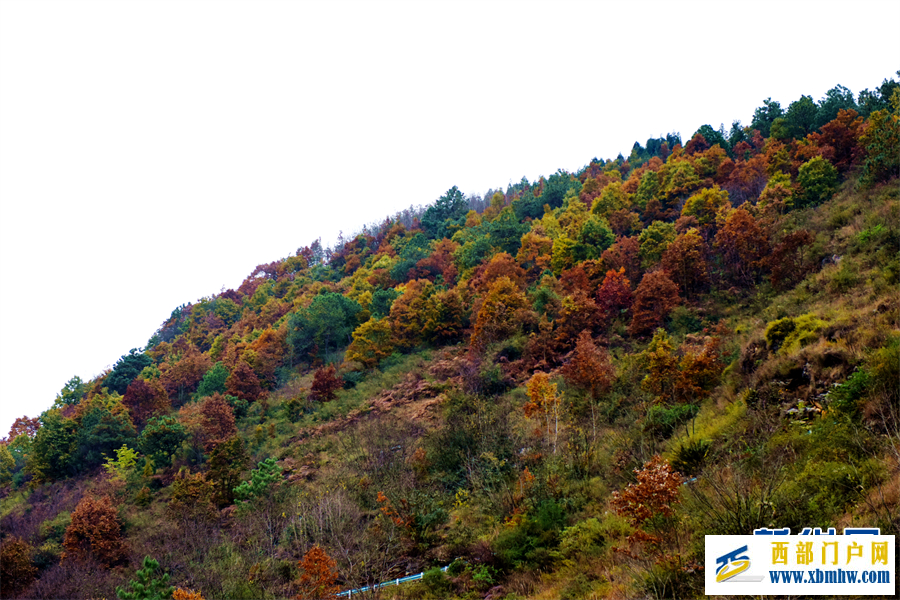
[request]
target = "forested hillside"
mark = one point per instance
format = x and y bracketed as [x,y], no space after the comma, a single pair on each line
[556,389]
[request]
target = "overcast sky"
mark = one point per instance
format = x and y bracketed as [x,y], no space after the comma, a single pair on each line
[153,152]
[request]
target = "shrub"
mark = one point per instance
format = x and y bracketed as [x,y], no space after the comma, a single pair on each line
[532,542]
[325,384]
[95,530]
[790,334]
[16,568]
[436,582]
[777,332]
[147,587]
[663,421]
[689,457]
[845,397]
[261,480]
[319,575]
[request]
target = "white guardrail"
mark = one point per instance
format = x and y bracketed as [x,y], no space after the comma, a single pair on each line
[398,581]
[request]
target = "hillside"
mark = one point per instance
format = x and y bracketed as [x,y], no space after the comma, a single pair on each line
[556,389]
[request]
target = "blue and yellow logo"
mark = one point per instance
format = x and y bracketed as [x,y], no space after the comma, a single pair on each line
[731,564]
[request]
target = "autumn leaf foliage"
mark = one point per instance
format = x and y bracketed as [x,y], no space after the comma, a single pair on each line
[16,568]
[655,492]
[217,418]
[319,575]
[544,405]
[589,367]
[95,530]
[325,384]
[496,317]
[614,295]
[654,299]
[243,383]
[184,594]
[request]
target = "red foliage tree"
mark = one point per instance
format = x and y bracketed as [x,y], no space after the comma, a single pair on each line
[325,384]
[95,530]
[614,295]
[24,425]
[243,383]
[788,261]
[145,399]
[654,299]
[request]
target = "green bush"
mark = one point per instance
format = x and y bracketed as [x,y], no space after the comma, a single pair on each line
[818,179]
[790,334]
[147,587]
[777,332]
[662,421]
[436,582]
[845,397]
[690,457]
[532,542]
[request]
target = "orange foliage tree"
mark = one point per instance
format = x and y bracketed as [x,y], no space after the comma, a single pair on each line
[500,265]
[16,568]
[534,253]
[24,425]
[655,493]
[95,530]
[685,262]
[545,405]
[182,373]
[590,369]
[654,299]
[319,575]
[743,246]
[217,418]
[624,254]
[266,353]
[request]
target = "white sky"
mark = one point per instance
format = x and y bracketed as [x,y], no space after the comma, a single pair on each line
[153,152]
